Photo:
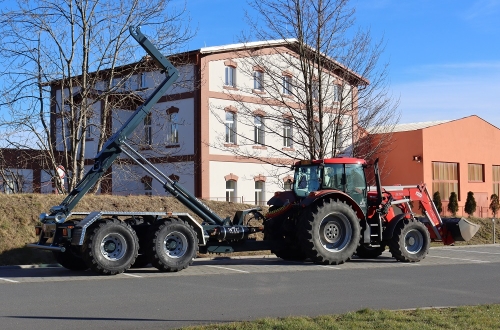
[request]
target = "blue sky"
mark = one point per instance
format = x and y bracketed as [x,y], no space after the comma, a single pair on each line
[444,55]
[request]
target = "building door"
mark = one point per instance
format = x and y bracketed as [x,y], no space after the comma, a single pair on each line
[481,204]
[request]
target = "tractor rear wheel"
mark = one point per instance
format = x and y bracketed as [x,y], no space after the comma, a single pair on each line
[70,259]
[329,232]
[110,247]
[173,245]
[410,241]
[369,252]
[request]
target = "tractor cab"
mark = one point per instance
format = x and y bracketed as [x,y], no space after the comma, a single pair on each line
[342,174]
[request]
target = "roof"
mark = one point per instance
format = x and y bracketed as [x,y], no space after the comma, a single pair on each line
[239,46]
[274,43]
[407,127]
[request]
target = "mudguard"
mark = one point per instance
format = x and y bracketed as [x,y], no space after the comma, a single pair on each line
[333,194]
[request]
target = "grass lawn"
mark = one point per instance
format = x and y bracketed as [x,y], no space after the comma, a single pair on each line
[468,317]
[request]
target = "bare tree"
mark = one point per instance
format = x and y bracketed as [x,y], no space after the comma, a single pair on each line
[66,65]
[318,82]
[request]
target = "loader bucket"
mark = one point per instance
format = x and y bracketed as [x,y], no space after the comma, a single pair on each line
[461,229]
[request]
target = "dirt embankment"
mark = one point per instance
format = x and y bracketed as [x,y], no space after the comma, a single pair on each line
[20,213]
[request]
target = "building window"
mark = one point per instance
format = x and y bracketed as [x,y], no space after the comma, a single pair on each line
[258,130]
[148,134]
[142,80]
[172,128]
[339,136]
[230,73]
[147,182]
[258,80]
[496,179]
[445,179]
[315,90]
[287,85]
[287,133]
[259,193]
[230,127]
[231,191]
[476,172]
[336,93]
[13,184]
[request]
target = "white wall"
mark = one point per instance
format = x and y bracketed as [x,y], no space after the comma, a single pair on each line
[127,179]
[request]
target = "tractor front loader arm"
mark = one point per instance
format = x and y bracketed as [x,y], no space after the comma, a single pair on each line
[113,146]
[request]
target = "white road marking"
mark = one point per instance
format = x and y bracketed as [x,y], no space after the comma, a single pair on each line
[459,259]
[331,267]
[479,252]
[236,270]
[6,279]
[133,275]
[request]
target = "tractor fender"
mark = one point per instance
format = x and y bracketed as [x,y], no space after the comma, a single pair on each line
[333,194]
[282,198]
[389,229]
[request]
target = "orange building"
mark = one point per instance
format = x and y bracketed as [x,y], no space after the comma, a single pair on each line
[453,155]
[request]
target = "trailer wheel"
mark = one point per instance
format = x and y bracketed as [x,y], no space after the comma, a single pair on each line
[111,247]
[70,259]
[410,241]
[173,245]
[329,232]
[369,252]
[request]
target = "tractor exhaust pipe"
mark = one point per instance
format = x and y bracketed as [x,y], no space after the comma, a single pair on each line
[460,229]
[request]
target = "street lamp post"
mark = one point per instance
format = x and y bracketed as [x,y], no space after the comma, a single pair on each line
[494,234]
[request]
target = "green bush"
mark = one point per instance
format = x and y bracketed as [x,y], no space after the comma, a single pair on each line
[470,204]
[436,198]
[453,204]
[494,204]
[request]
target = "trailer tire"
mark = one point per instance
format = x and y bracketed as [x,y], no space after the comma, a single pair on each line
[410,242]
[70,259]
[329,232]
[111,247]
[173,245]
[369,252]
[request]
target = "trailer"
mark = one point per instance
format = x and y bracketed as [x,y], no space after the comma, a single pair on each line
[329,215]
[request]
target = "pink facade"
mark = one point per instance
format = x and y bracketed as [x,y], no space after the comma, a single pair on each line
[462,154]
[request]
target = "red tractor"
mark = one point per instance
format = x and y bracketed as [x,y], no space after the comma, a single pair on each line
[332,214]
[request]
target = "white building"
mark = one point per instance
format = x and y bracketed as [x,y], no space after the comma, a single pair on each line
[218,129]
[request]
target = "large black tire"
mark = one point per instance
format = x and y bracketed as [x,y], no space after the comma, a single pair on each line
[369,252]
[329,232]
[110,247]
[70,259]
[290,247]
[410,241]
[173,245]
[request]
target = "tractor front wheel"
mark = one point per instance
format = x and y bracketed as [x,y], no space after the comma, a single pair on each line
[329,232]
[173,245]
[410,241]
[111,247]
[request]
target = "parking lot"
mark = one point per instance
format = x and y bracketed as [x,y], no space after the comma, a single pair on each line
[256,264]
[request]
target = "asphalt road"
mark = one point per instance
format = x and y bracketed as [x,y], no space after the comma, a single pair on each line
[225,290]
